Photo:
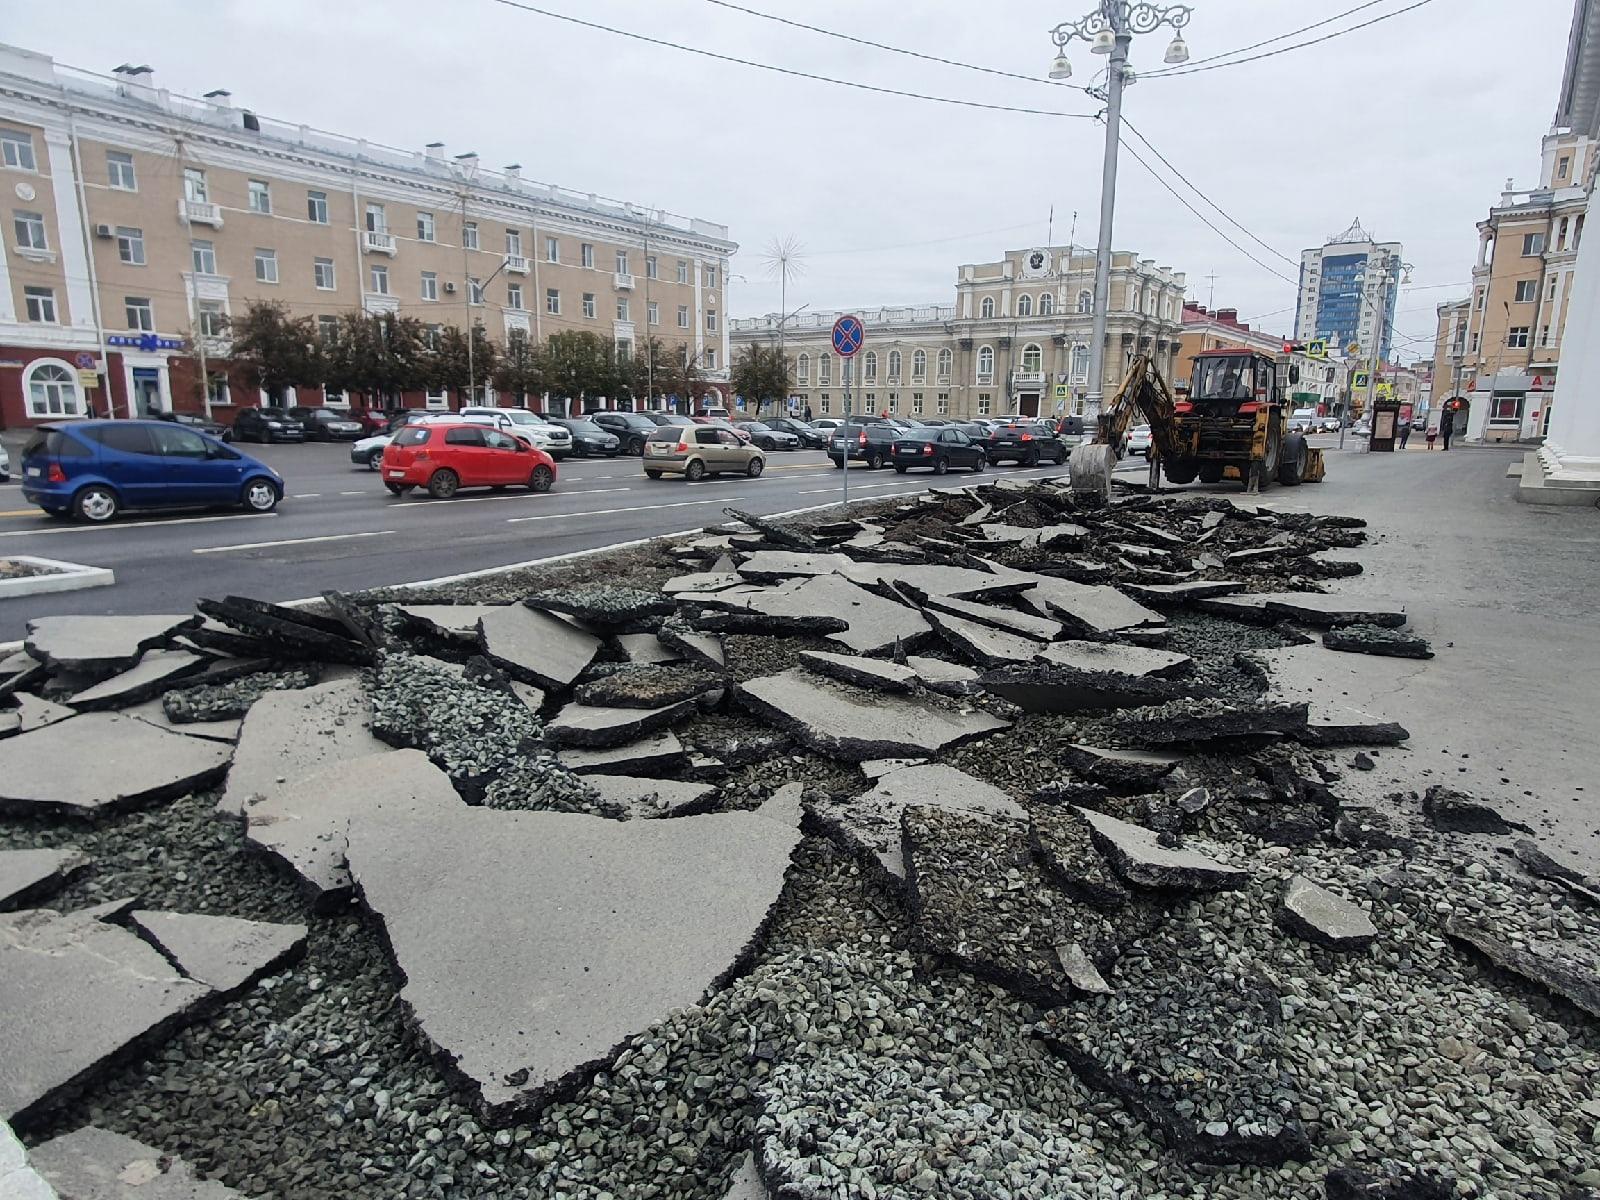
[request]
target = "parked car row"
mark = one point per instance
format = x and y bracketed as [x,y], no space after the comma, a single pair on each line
[873,441]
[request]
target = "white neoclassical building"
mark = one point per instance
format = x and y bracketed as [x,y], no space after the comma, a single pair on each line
[1016,339]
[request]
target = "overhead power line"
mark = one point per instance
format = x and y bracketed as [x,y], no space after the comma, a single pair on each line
[789,71]
[1327,37]
[1282,37]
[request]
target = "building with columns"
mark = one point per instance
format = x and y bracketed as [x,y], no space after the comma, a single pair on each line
[1015,339]
[139,219]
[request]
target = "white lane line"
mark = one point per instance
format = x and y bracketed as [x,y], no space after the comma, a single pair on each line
[363,492]
[447,505]
[305,541]
[135,524]
[605,512]
[307,496]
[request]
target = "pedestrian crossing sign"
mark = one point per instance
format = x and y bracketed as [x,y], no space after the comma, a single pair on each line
[1063,391]
[1359,380]
[1317,349]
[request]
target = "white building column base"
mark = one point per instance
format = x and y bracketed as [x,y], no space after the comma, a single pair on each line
[1549,477]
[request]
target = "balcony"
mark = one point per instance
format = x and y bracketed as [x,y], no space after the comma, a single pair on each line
[624,281]
[200,212]
[1029,379]
[378,241]
[376,303]
[516,264]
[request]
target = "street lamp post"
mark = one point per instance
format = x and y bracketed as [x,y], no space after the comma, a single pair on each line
[1110,30]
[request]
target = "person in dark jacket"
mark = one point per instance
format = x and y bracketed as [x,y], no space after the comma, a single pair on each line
[1447,428]
[808,414]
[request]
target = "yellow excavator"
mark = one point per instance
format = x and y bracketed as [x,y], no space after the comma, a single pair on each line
[1233,424]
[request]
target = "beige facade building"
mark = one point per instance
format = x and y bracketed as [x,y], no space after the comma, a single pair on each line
[1015,340]
[138,219]
[1499,350]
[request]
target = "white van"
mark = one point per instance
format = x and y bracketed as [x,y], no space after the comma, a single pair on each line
[553,439]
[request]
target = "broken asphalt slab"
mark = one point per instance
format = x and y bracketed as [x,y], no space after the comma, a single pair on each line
[96,1164]
[1307,608]
[536,647]
[855,725]
[1337,689]
[157,671]
[225,953]
[101,763]
[657,754]
[602,605]
[1120,770]
[1195,721]
[585,932]
[1317,915]
[100,646]
[1138,856]
[645,798]
[1565,971]
[872,623]
[1042,687]
[28,876]
[1087,609]
[1114,656]
[596,727]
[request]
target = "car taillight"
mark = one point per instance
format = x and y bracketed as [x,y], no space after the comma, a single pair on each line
[927,449]
[863,437]
[683,447]
[422,456]
[1183,406]
[56,475]
[1027,437]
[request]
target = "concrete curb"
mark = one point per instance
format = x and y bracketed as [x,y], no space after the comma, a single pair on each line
[63,577]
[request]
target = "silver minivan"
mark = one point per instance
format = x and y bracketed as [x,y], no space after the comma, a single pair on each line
[553,439]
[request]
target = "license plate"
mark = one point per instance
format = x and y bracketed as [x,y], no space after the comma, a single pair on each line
[660,450]
[396,474]
[34,471]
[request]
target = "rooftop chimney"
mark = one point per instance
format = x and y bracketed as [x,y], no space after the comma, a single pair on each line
[434,151]
[1228,316]
[136,83]
[514,173]
[221,97]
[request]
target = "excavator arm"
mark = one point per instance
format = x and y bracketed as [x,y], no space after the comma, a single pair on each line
[1143,393]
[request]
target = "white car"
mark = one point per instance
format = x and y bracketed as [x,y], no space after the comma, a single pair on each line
[5,466]
[368,451]
[555,440]
[1139,441]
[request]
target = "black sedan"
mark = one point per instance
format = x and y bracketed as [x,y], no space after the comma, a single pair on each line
[267,425]
[768,436]
[810,439]
[1025,443]
[329,424]
[214,429]
[938,450]
[589,439]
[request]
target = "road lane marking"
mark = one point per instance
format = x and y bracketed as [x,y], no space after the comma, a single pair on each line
[328,537]
[134,524]
[605,512]
[447,505]
[21,512]
[315,495]
[363,492]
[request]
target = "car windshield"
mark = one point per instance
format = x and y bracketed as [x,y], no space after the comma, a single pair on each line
[412,435]
[665,433]
[754,427]
[587,427]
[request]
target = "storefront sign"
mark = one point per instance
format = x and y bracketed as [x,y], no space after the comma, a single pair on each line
[88,379]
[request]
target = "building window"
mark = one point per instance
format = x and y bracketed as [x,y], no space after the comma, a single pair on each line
[1532,244]
[52,391]
[919,365]
[802,369]
[1506,410]
[552,249]
[711,320]
[946,361]
[1527,291]
[652,312]
[1047,304]
[683,316]
[317,207]
[514,296]
[425,227]
[985,402]
[1550,295]
[986,309]
[894,403]
[552,302]
[130,245]
[30,231]
[377,219]
[430,285]
[1544,336]
[986,363]
[1086,301]
[916,404]
[622,262]
[266,265]
[944,403]
[894,366]
[1024,306]
[433,337]
[380,281]
[1477,340]
[589,309]
[1032,358]
[585,255]
[469,235]
[213,321]
[1080,364]
[683,271]
[474,290]
[1481,296]
[1561,236]
[40,304]
[328,329]
[119,171]
[322,274]
[194,186]
[139,313]
[650,266]
[823,404]
[203,257]
[824,370]
[1517,337]
[711,358]
[623,309]
[869,368]
[1563,165]
[16,148]
[513,243]
[711,276]
[260,196]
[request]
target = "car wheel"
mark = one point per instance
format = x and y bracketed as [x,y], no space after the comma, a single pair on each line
[95,504]
[695,471]
[260,496]
[542,479]
[1061,456]
[940,465]
[444,484]
[873,461]
[838,464]
[636,447]
[757,465]
[375,460]
[1180,470]
[1030,459]
[649,474]
[1292,461]
[980,464]
[899,469]
[398,489]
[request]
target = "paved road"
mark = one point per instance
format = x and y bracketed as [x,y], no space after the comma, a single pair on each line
[339,529]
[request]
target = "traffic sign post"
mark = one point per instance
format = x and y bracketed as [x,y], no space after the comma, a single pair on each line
[848,334]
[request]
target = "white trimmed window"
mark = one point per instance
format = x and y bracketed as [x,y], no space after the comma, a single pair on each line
[650,266]
[203,257]
[1032,358]
[322,274]
[622,262]
[711,320]
[317,207]
[986,363]
[1024,305]
[824,370]
[513,243]
[944,403]
[653,312]
[266,265]
[260,196]
[894,366]
[29,227]
[40,304]
[119,171]
[986,309]
[469,235]
[985,403]
[213,320]
[514,296]
[379,280]
[16,150]
[430,285]
[1085,301]
[683,316]
[683,271]
[141,316]
[916,404]
[623,309]
[589,308]
[474,290]
[946,360]
[552,249]
[1080,364]
[53,391]
[919,366]
[425,227]
[1047,304]
[552,301]
[802,369]
[869,367]
[585,254]
[130,245]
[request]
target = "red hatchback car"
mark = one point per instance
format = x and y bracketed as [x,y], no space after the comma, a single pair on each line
[445,457]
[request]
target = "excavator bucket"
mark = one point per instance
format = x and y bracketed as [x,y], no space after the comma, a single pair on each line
[1316,467]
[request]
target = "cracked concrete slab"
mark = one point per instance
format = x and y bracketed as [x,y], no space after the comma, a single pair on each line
[855,725]
[875,673]
[536,647]
[765,566]
[288,735]
[963,583]
[453,622]
[869,825]
[226,953]
[658,753]
[596,726]
[96,1164]
[153,674]
[35,712]
[1137,855]
[303,822]
[873,622]
[1308,608]
[983,644]
[99,646]
[1129,770]
[28,876]
[1087,609]
[77,993]
[645,649]
[1317,915]
[1114,656]
[644,798]
[1010,620]
[586,932]
[1039,687]
[1343,692]
[101,763]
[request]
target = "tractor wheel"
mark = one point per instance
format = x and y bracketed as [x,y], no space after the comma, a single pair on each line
[1180,470]
[1292,461]
[1211,472]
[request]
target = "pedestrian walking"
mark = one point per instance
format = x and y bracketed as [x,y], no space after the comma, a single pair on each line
[808,414]
[1433,433]
[1447,429]
[1405,434]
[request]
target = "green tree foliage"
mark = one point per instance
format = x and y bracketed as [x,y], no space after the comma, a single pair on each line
[454,369]
[276,350]
[520,370]
[760,374]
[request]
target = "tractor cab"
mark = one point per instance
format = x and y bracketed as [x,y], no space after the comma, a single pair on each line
[1230,382]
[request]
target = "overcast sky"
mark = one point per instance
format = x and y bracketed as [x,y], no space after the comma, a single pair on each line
[1413,124]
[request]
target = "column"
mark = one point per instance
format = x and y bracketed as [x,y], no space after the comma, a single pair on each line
[1569,461]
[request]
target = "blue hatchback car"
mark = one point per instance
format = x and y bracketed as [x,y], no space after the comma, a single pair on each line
[92,470]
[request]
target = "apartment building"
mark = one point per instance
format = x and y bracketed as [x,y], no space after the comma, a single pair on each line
[1344,285]
[139,219]
[1015,340]
[1319,383]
